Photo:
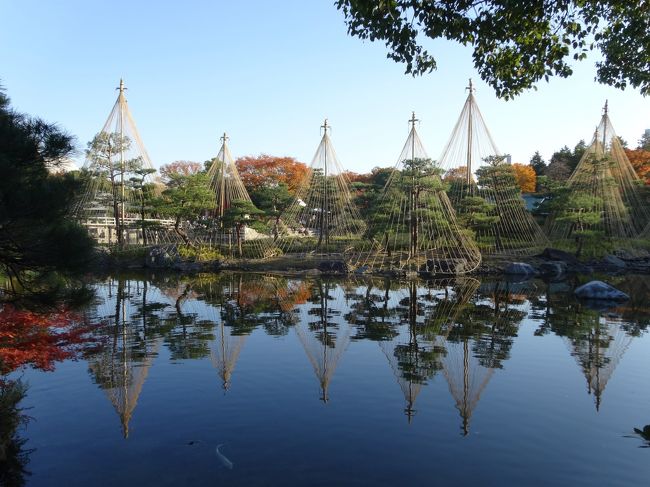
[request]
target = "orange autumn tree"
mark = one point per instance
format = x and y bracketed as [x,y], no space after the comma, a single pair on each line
[526,177]
[456,173]
[265,170]
[355,177]
[40,340]
[640,160]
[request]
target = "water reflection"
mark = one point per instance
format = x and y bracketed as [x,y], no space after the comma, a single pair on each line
[597,339]
[14,456]
[458,330]
[131,326]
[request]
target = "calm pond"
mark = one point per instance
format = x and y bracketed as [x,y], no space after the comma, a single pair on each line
[255,380]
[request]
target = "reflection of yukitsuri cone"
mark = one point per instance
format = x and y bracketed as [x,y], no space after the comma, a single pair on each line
[468,365]
[415,353]
[325,339]
[505,297]
[410,374]
[322,218]
[514,230]
[598,353]
[417,228]
[228,188]
[121,368]
[103,307]
[122,377]
[224,352]
[446,299]
[466,377]
[610,189]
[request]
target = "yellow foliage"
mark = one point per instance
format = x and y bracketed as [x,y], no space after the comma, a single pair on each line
[526,177]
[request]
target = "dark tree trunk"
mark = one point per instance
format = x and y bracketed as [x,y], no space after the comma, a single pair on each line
[181,233]
[238,228]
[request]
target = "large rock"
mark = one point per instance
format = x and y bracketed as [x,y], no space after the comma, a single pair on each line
[561,255]
[364,269]
[632,254]
[613,261]
[333,267]
[520,269]
[553,269]
[600,290]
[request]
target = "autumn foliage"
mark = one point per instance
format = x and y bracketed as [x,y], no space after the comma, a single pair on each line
[264,171]
[354,177]
[180,168]
[257,294]
[526,177]
[292,295]
[41,339]
[457,173]
[640,160]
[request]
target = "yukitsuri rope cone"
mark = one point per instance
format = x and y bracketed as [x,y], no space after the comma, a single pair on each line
[230,231]
[322,219]
[604,196]
[483,188]
[116,169]
[645,234]
[416,229]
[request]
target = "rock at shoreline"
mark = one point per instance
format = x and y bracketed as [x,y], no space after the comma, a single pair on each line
[613,261]
[520,269]
[559,255]
[553,269]
[333,267]
[632,254]
[600,290]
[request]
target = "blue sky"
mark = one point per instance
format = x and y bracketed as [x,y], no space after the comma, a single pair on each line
[268,73]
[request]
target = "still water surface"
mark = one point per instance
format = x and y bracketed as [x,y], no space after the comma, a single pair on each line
[344,382]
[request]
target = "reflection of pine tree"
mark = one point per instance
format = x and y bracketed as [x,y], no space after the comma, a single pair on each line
[596,342]
[122,366]
[324,338]
[490,325]
[246,302]
[421,320]
[323,328]
[415,352]
[189,335]
[370,313]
